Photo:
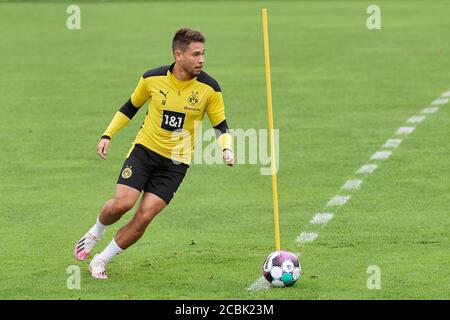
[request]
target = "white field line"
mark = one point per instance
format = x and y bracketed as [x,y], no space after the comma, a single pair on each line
[351,184]
[321,218]
[381,155]
[259,284]
[340,200]
[392,143]
[405,130]
[367,168]
[430,110]
[306,237]
[416,119]
[440,101]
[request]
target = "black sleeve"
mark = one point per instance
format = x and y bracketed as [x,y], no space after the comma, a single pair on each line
[221,128]
[128,109]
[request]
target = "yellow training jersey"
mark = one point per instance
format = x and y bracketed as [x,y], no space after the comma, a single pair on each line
[174,108]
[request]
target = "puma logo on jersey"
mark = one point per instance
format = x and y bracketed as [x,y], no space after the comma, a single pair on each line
[164,94]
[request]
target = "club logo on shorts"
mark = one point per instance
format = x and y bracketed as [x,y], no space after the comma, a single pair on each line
[127,172]
[193,99]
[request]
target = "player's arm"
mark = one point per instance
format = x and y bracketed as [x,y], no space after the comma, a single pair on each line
[123,116]
[216,114]
[225,141]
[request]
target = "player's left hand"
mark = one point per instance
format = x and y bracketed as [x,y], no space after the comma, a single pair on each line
[228,156]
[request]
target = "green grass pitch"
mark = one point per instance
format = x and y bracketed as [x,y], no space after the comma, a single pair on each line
[339,91]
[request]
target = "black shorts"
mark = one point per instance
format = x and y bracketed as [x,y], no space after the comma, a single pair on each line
[147,170]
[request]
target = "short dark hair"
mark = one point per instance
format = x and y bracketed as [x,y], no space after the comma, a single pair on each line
[183,38]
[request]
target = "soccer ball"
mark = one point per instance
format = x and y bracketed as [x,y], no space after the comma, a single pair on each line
[281,269]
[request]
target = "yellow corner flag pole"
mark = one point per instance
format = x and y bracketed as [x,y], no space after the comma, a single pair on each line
[272,140]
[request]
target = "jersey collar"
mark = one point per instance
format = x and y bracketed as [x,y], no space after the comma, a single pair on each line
[179,83]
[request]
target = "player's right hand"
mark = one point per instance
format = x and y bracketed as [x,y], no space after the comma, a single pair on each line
[102,148]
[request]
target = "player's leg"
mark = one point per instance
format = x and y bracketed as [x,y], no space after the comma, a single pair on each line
[161,187]
[124,199]
[158,193]
[149,207]
[132,179]
[115,208]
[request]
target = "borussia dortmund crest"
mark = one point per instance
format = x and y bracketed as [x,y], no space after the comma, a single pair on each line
[193,99]
[127,172]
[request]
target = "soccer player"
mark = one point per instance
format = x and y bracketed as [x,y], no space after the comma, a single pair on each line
[179,95]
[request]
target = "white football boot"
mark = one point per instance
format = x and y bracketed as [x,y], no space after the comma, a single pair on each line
[97,268]
[84,246]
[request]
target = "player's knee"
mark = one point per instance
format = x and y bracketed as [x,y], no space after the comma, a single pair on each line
[146,215]
[122,205]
